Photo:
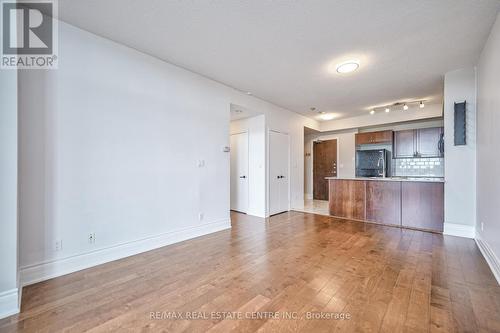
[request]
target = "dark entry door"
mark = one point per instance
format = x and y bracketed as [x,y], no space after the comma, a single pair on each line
[324,165]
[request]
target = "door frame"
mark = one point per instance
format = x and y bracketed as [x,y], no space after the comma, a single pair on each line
[312,159]
[248,169]
[268,170]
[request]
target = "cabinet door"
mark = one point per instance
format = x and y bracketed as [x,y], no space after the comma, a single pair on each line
[374,137]
[382,137]
[404,144]
[383,202]
[347,198]
[422,205]
[428,142]
[363,138]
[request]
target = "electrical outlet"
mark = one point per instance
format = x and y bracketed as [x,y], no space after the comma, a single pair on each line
[58,245]
[92,238]
[200,216]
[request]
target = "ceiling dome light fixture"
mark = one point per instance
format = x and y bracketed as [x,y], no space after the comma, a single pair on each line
[372,112]
[326,116]
[347,67]
[387,110]
[405,107]
[422,105]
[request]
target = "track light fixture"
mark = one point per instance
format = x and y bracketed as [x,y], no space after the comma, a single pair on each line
[396,106]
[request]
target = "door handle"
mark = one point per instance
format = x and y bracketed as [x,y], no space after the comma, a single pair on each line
[243,176]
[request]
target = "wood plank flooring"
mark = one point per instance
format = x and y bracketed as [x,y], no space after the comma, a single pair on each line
[274,273]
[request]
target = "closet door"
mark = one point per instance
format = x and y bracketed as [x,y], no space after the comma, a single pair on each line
[239,172]
[279,183]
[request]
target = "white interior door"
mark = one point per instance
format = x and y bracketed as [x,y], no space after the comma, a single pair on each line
[239,172]
[279,194]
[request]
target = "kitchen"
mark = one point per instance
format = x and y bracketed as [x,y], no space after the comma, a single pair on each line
[396,177]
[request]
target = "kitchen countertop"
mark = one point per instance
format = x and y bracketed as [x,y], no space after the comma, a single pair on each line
[394,179]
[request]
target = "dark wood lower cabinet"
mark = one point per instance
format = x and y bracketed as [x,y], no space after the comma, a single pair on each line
[422,205]
[347,199]
[417,205]
[383,202]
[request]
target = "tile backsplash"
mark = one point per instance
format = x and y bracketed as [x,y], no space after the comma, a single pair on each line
[418,167]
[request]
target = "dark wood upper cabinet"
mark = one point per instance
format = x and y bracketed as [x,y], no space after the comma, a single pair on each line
[425,142]
[428,142]
[374,137]
[363,138]
[404,144]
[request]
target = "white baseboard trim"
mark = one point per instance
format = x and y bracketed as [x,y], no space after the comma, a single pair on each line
[489,256]
[459,230]
[308,196]
[9,302]
[257,214]
[51,269]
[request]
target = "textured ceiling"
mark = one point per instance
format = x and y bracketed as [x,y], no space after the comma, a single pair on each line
[281,50]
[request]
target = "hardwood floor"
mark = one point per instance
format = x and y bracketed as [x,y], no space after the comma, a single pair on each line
[383,278]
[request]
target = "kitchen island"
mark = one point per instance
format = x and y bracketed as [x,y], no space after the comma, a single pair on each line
[416,203]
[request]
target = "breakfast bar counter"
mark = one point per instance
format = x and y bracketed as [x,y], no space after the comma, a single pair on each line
[393,179]
[409,203]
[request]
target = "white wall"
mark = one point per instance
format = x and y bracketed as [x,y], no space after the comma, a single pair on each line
[256,129]
[426,123]
[110,143]
[488,140]
[8,193]
[346,163]
[460,161]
